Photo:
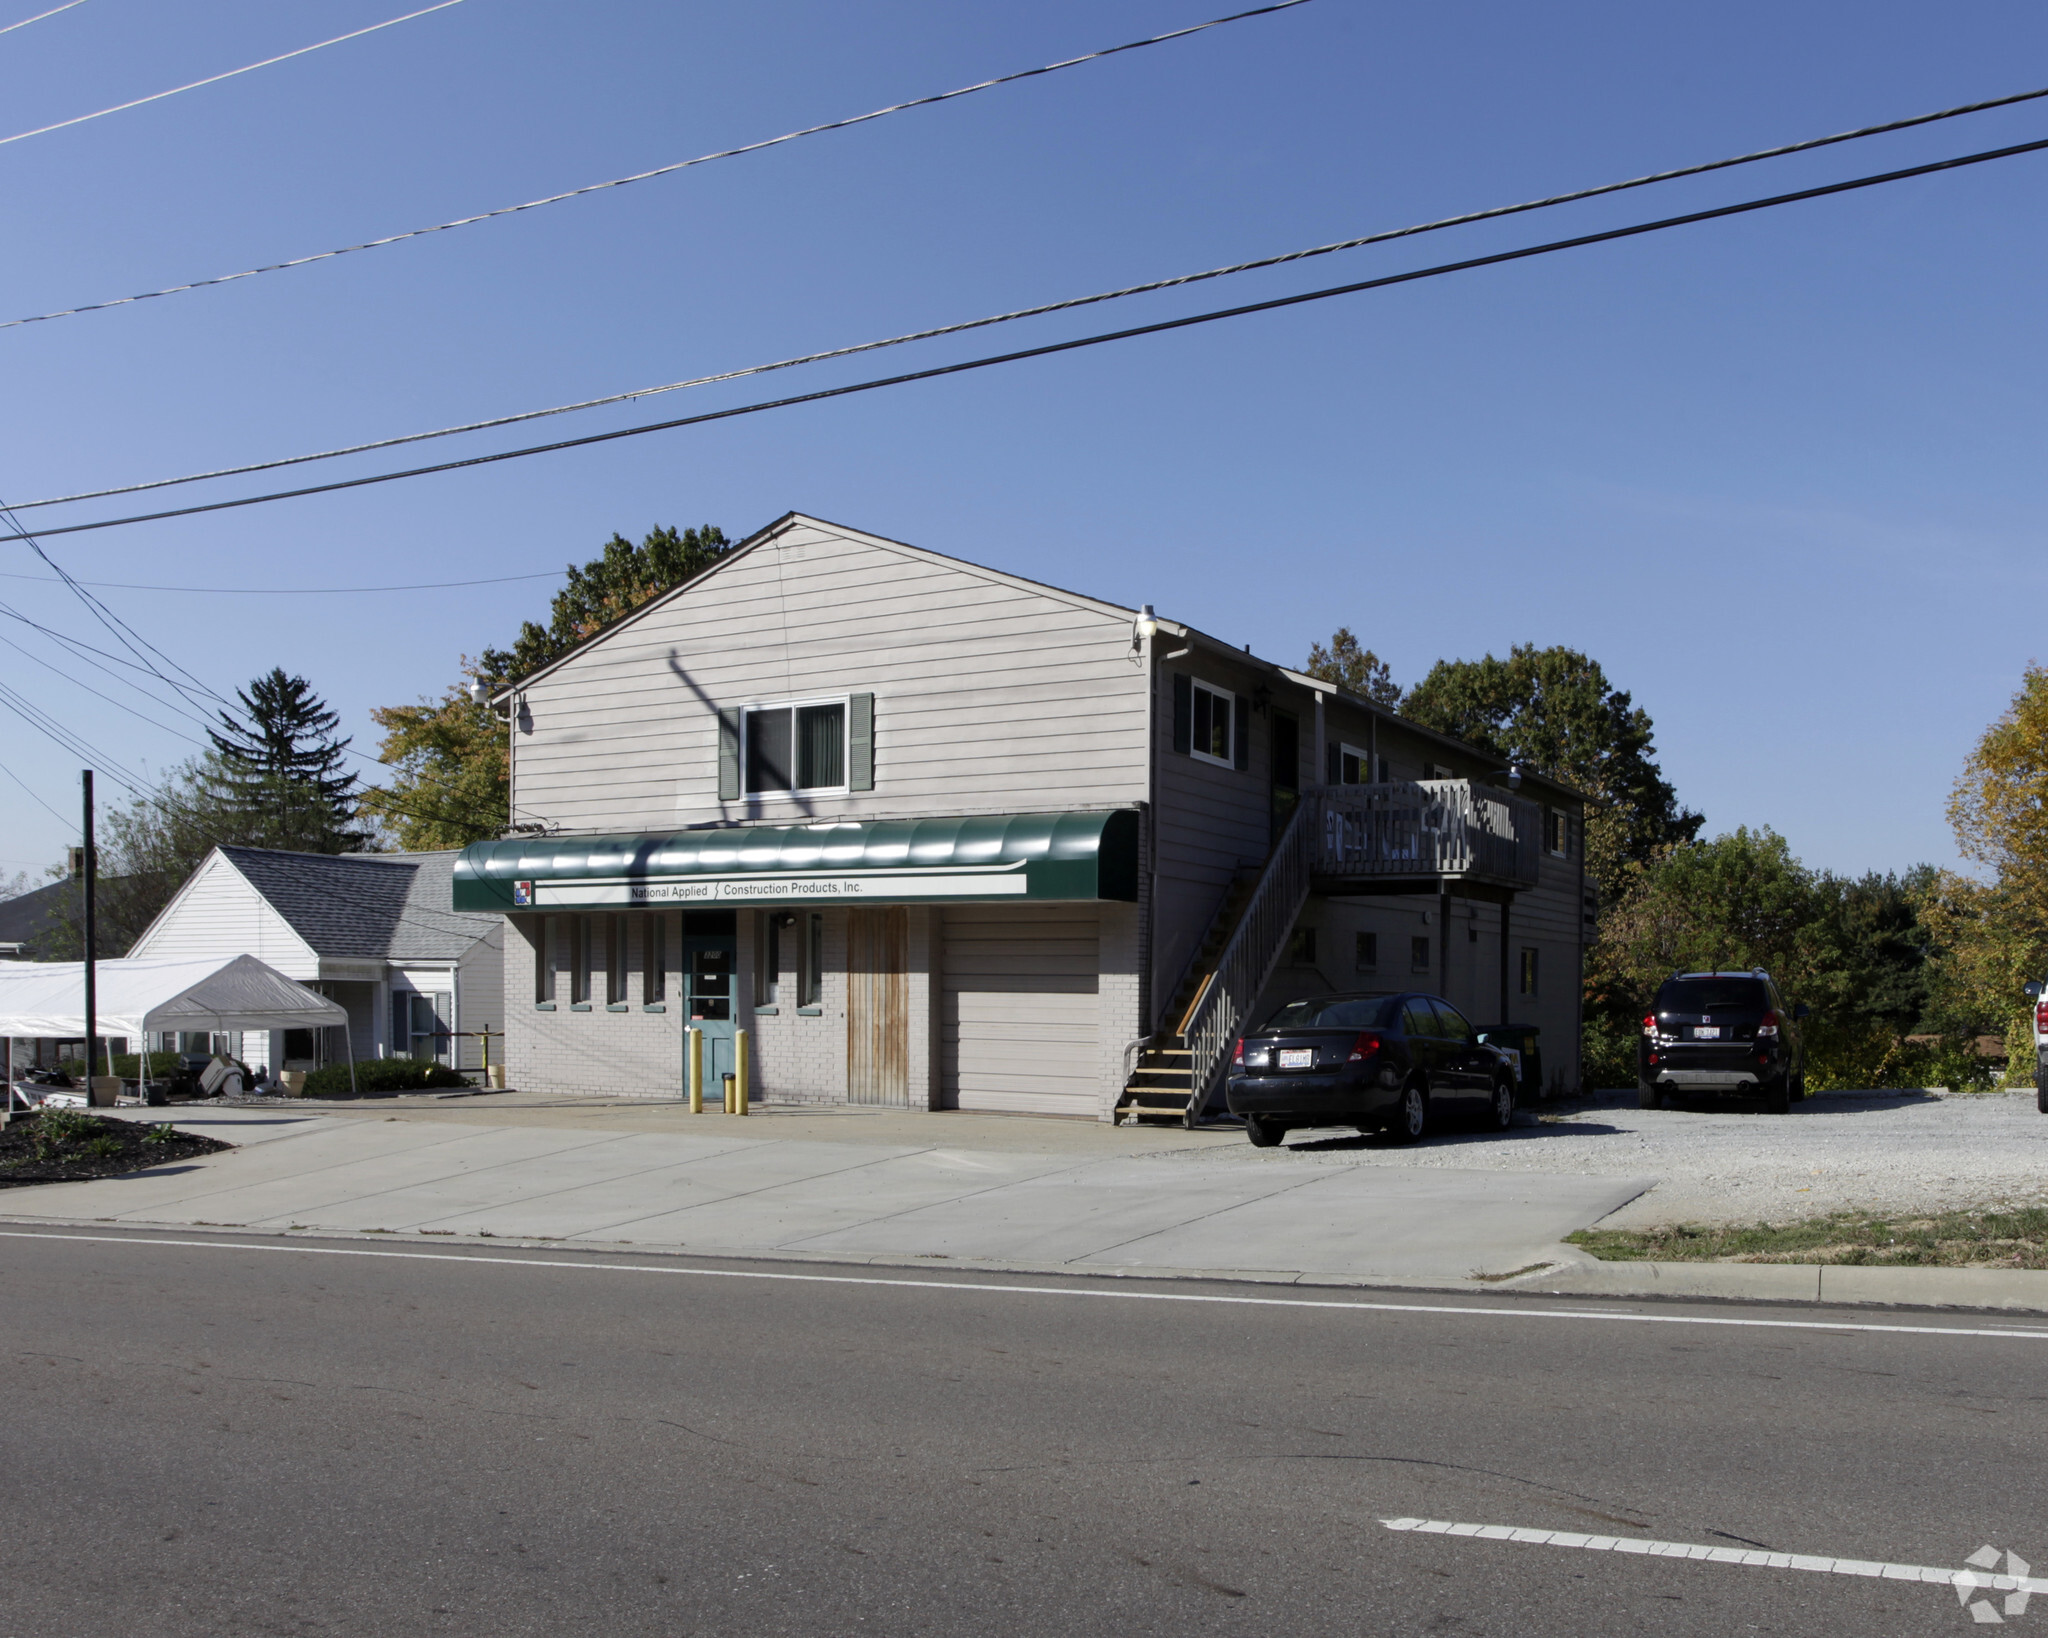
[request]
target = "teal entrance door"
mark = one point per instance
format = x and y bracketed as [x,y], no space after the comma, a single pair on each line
[710,952]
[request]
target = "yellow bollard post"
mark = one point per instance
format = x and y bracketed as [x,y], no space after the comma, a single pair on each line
[693,1070]
[739,1071]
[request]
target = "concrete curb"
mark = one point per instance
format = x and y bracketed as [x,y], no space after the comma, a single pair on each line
[413,1240]
[2016,1290]
[1570,1272]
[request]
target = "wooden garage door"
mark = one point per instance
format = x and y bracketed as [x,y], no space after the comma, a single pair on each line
[1018,1025]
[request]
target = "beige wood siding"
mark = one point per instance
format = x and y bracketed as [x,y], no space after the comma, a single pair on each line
[991,695]
[1020,1009]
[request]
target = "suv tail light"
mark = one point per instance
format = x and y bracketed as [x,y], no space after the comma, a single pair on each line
[2041,1017]
[1364,1047]
[1237,1057]
[1650,1025]
[1768,1029]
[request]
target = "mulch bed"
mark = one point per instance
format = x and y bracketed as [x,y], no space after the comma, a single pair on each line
[72,1146]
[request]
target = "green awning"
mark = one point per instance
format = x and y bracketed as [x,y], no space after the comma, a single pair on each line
[984,858]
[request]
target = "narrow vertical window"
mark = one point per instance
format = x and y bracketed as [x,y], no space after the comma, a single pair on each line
[547,938]
[654,958]
[1529,972]
[768,958]
[615,961]
[1365,956]
[811,977]
[1418,953]
[579,960]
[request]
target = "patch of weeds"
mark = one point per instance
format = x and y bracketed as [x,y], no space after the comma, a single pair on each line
[1956,1239]
[1512,1274]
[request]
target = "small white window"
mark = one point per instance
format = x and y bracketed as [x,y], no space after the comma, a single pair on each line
[1559,826]
[1354,767]
[796,747]
[1213,710]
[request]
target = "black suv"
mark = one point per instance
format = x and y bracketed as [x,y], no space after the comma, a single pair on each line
[1721,1032]
[1370,1060]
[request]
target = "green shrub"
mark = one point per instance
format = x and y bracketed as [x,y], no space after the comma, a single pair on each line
[381,1075]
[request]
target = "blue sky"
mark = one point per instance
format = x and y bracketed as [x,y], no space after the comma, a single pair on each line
[1780,474]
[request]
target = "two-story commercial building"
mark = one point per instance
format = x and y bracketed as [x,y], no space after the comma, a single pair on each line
[938,836]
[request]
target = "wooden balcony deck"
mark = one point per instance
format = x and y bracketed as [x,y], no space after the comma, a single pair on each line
[1429,828]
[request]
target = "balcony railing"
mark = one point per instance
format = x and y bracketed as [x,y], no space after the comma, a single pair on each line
[1430,827]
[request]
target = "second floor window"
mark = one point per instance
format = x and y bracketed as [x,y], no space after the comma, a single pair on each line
[795,748]
[1212,725]
[1558,826]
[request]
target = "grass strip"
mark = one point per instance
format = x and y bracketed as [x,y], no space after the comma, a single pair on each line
[1954,1239]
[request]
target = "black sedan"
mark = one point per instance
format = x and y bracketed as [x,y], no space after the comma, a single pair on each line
[1374,1060]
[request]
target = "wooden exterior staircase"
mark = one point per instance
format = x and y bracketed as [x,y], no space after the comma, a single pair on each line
[1160,1086]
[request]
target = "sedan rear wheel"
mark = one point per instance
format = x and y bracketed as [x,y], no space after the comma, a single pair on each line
[1503,1106]
[1263,1131]
[1413,1119]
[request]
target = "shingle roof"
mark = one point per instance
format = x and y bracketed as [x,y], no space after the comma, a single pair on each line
[30,918]
[366,906]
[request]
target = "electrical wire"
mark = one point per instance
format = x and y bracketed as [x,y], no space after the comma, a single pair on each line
[9,772]
[215,79]
[141,663]
[645,176]
[1382,237]
[24,23]
[122,632]
[1050,349]
[290,591]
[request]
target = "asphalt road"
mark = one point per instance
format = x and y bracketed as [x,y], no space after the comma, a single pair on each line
[201,1439]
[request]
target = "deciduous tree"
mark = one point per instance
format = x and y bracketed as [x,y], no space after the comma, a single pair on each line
[1553,710]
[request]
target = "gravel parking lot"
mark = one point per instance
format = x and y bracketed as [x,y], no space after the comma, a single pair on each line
[1881,1151]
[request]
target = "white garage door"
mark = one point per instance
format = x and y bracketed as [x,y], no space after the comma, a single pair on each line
[1019,1019]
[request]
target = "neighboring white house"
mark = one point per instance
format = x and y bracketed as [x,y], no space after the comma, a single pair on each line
[374,931]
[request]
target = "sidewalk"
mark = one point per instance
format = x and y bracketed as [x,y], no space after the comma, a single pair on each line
[966,1190]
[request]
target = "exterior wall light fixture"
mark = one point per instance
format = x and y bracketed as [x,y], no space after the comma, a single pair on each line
[1144,628]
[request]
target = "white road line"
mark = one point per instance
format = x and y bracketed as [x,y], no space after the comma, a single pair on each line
[484,1259]
[1752,1558]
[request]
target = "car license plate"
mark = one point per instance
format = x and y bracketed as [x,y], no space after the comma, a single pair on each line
[1297,1057]
[1709,1032]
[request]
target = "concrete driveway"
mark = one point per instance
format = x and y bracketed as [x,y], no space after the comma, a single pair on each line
[989,1191]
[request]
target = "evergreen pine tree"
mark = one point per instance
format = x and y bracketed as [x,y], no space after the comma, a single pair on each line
[277,769]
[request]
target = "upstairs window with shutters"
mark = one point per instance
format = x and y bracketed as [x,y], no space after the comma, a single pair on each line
[1211,724]
[809,747]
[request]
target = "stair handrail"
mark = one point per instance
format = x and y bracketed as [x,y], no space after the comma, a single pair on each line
[1254,950]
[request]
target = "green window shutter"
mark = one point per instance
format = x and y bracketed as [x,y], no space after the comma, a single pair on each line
[728,756]
[1241,734]
[860,742]
[1183,712]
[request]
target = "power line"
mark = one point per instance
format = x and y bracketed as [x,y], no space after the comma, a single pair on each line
[120,629]
[24,23]
[9,772]
[291,591]
[215,79]
[642,176]
[1052,348]
[1263,262]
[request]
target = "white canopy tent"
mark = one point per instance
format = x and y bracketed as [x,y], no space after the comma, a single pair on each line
[139,998]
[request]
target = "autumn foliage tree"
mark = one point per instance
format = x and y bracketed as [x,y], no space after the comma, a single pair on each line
[1991,926]
[451,771]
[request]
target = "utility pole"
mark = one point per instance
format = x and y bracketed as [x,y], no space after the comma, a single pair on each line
[91,948]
